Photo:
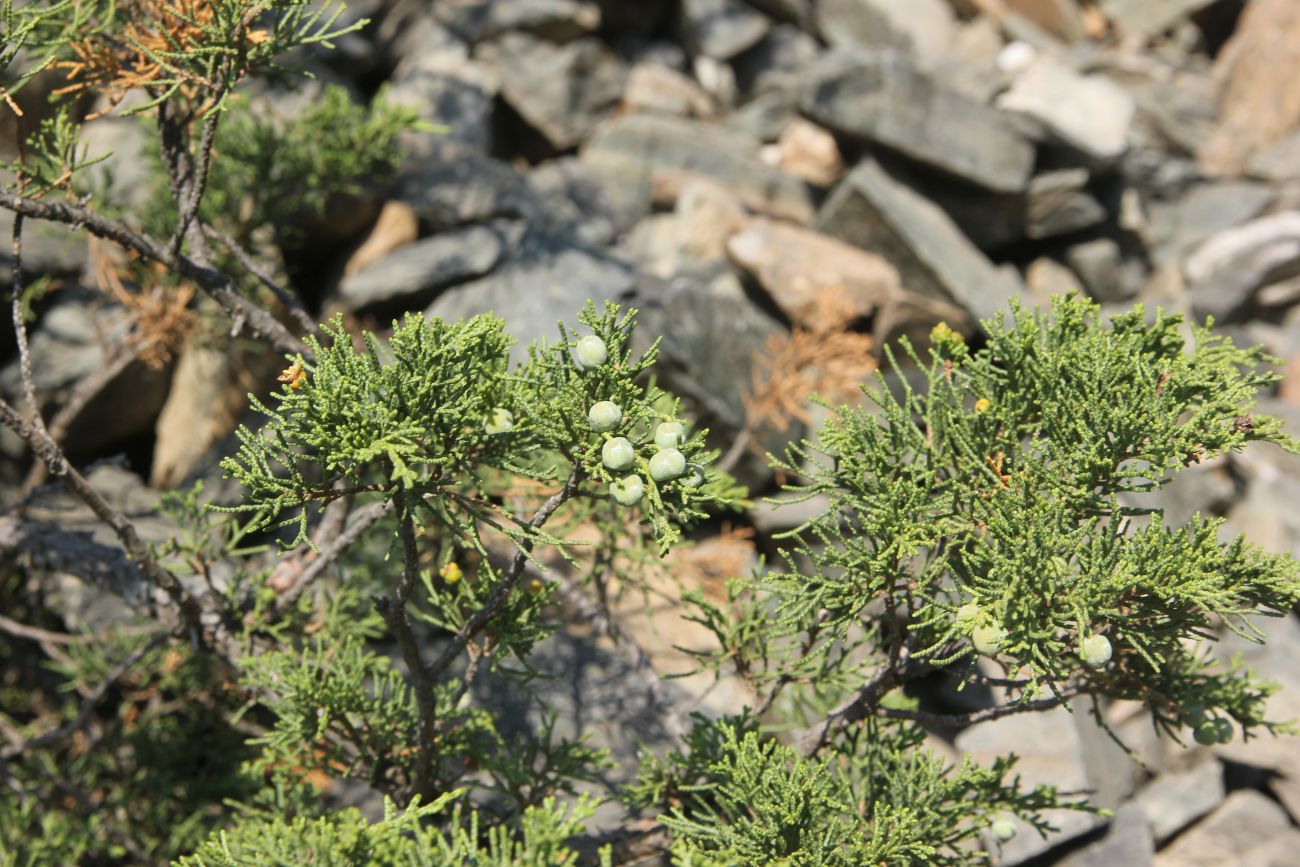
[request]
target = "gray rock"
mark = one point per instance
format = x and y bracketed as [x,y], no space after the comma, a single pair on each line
[1128,842]
[1045,278]
[882,100]
[877,212]
[48,248]
[556,20]
[412,274]
[1245,830]
[1097,264]
[447,88]
[1176,799]
[1088,113]
[562,91]
[547,278]
[1050,752]
[1057,204]
[450,184]
[125,177]
[1147,18]
[574,199]
[637,152]
[1205,210]
[659,89]
[721,29]
[1279,162]
[924,29]
[798,12]
[1224,274]
[777,60]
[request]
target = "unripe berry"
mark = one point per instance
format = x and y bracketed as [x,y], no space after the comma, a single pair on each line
[1224,730]
[604,415]
[670,434]
[627,491]
[694,477]
[500,421]
[988,639]
[590,351]
[667,464]
[1096,651]
[617,453]
[1206,732]
[967,616]
[1002,829]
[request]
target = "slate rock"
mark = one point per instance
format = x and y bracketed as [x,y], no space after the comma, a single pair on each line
[1058,204]
[875,211]
[561,91]
[1147,18]
[1203,211]
[659,89]
[1045,278]
[882,100]
[48,248]
[448,89]
[449,184]
[1245,830]
[1177,798]
[547,278]
[1278,162]
[1098,265]
[410,275]
[574,200]
[1088,113]
[1127,841]
[721,29]
[777,60]
[1061,18]
[632,153]
[1225,272]
[924,29]
[555,20]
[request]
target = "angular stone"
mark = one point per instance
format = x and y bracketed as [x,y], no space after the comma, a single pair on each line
[1057,204]
[1097,264]
[396,227]
[1088,113]
[1278,162]
[923,28]
[1245,830]
[809,152]
[777,60]
[1176,799]
[876,212]
[1147,18]
[1128,842]
[1046,278]
[633,153]
[1259,102]
[412,273]
[1205,210]
[659,89]
[883,100]
[562,91]
[1226,271]
[721,29]
[797,266]
[447,88]
[556,20]
[449,184]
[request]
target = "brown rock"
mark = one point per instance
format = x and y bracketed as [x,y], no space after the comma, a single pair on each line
[1289,389]
[396,227]
[797,265]
[1260,104]
[808,151]
[655,88]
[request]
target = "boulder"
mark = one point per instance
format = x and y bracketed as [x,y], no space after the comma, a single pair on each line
[924,29]
[721,29]
[1089,114]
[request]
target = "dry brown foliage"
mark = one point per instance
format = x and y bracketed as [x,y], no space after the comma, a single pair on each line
[162,315]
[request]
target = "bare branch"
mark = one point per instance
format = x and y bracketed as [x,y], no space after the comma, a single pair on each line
[962,720]
[285,296]
[361,521]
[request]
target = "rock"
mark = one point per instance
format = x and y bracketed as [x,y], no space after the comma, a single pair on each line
[439,79]
[555,20]
[923,28]
[1259,105]
[785,512]
[1097,264]
[636,152]
[562,91]
[1144,19]
[776,61]
[1089,114]
[876,212]
[1226,271]
[659,89]
[48,248]
[208,397]
[396,227]
[1245,830]
[1046,278]
[706,216]
[717,78]
[412,274]
[1205,210]
[547,278]
[797,266]
[882,100]
[125,177]
[1277,162]
[721,29]
[807,151]
[1128,842]
[913,316]
[640,19]
[573,198]
[1176,799]
[1060,18]
[449,184]
[1057,204]
[797,12]
[1050,752]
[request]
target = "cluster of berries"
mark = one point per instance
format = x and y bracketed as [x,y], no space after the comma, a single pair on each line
[988,637]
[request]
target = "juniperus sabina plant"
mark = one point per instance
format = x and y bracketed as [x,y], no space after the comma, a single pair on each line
[415,512]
